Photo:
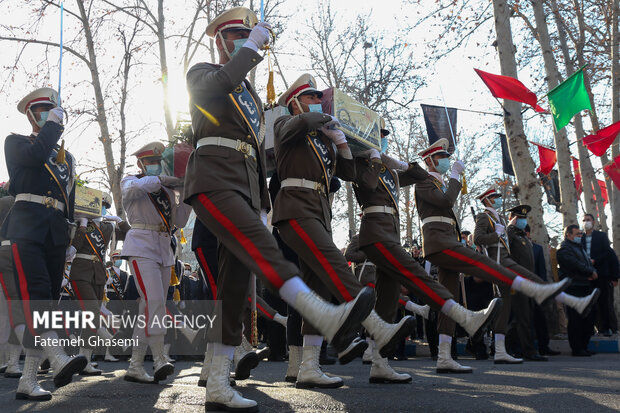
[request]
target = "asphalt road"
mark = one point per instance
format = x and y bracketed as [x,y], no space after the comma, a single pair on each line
[565,384]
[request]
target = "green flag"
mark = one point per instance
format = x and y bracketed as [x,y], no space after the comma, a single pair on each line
[568,98]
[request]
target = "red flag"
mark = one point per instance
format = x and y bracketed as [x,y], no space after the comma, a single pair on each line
[601,140]
[603,185]
[613,170]
[577,175]
[505,87]
[547,159]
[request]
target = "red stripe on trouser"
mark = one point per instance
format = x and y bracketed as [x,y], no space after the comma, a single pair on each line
[261,309]
[209,274]
[371,285]
[81,300]
[494,273]
[146,299]
[402,302]
[268,271]
[322,259]
[8,299]
[23,288]
[410,276]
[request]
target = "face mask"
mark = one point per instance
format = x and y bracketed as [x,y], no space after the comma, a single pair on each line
[587,225]
[103,210]
[384,144]
[68,268]
[117,263]
[521,223]
[238,45]
[497,203]
[153,170]
[187,272]
[316,107]
[577,240]
[443,165]
[464,242]
[43,119]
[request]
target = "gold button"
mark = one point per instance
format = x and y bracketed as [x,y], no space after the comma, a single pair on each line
[254,59]
[249,136]
[49,192]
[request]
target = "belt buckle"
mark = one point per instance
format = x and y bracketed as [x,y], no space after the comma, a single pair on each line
[49,202]
[95,258]
[243,147]
[162,228]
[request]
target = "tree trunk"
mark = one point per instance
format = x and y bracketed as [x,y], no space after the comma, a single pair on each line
[408,214]
[615,117]
[163,62]
[113,175]
[351,210]
[568,194]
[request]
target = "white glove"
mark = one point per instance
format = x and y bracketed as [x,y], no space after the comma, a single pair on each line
[278,318]
[113,218]
[499,229]
[335,135]
[83,222]
[371,154]
[56,115]
[263,216]
[70,253]
[171,181]
[65,282]
[457,169]
[259,36]
[392,163]
[332,123]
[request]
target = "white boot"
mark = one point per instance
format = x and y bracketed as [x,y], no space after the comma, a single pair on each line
[63,366]
[4,356]
[135,371]
[310,374]
[245,359]
[540,292]
[109,357]
[167,354]
[501,356]
[189,334]
[474,322]
[219,395]
[206,365]
[445,362]
[12,368]
[89,370]
[421,310]
[294,361]
[338,323]
[280,319]
[367,357]
[386,335]
[582,305]
[161,367]
[382,372]
[353,351]
[28,388]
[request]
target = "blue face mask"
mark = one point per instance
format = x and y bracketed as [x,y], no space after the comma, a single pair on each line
[577,240]
[443,165]
[104,210]
[497,203]
[153,170]
[464,241]
[238,45]
[43,119]
[316,107]
[521,223]
[117,263]
[384,145]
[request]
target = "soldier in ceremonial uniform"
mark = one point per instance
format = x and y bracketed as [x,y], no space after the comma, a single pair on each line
[42,179]
[377,186]
[153,210]
[442,246]
[88,274]
[227,119]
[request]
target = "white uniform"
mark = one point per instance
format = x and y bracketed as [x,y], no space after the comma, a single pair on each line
[148,251]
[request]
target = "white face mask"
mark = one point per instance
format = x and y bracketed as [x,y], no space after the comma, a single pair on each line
[587,225]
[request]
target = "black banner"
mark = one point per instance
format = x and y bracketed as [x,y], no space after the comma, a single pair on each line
[506,160]
[437,124]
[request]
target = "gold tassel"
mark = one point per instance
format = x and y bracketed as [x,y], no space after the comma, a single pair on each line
[254,328]
[176,296]
[183,239]
[271,90]
[464,186]
[60,158]
[174,280]
[105,297]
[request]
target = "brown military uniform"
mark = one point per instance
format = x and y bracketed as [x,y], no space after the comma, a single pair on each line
[303,215]
[7,281]
[441,244]
[88,276]
[227,187]
[365,270]
[380,237]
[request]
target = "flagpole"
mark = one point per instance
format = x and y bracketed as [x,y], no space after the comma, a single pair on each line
[62,9]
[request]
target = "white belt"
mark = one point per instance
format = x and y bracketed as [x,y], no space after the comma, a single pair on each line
[302,183]
[379,209]
[444,220]
[5,243]
[235,144]
[150,227]
[49,202]
[88,257]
